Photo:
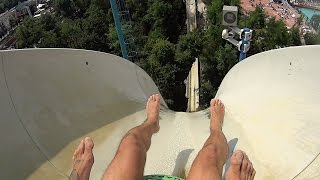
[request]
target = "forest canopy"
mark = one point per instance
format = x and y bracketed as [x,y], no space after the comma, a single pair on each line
[165,50]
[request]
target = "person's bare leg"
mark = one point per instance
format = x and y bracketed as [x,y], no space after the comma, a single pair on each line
[241,167]
[130,158]
[211,158]
[82,160]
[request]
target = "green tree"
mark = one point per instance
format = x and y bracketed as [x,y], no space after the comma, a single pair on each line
[213,71]
[65,8]
[138,9]
[72,34]
[48,22]
[165,16]
[29,33]
[315,22]
[169,65]
[81,7]
[158,31]
[160,66]
[255,19]
[3,29]
[158,15]
[269,33]
[8,4]
[276,34]
[188,48]
[295,37]
[13,22]
[50,39]
[77,24]
[312,39]
[96,28]
[113,41]
[217,56]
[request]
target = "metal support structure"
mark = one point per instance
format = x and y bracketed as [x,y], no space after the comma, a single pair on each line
[243,45]
[246,35]
[117,23]
[123,27]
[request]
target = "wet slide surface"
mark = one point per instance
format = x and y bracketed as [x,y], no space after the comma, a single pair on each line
[52,98]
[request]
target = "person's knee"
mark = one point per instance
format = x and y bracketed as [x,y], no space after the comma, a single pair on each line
[131,141]
[214,154]
[209,152]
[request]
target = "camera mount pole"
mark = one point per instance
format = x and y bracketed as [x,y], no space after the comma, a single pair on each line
[245,43]
[245,36]
[230,20]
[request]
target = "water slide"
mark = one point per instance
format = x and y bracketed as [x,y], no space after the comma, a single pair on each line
[52,98]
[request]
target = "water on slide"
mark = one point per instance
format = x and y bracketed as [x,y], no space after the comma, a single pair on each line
[52,98]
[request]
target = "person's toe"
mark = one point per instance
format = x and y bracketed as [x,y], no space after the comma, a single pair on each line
[213,102]
[221,106]
[233,173]
[236,160]
[244,167]
[157,97]
[249,170]
[88,154]
[88,144]
[79,151]
[241,167]
[253,174]
[149,100]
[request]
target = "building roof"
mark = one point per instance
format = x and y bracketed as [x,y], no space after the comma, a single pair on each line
[279,11]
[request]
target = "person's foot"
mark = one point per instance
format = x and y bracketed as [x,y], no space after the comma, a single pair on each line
[82,160]
[240,167]
[217,114]
[153,108]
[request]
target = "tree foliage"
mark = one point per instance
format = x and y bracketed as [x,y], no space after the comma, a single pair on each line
[79,24]
[312,39]
[158,29]
[168,64]
[315,22]
[8,4]
[218,56]
[29,34]
[3,30]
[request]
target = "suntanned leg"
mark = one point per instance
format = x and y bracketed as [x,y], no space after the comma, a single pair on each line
[82,160]
[211,158]
[241,167]
[130,159]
